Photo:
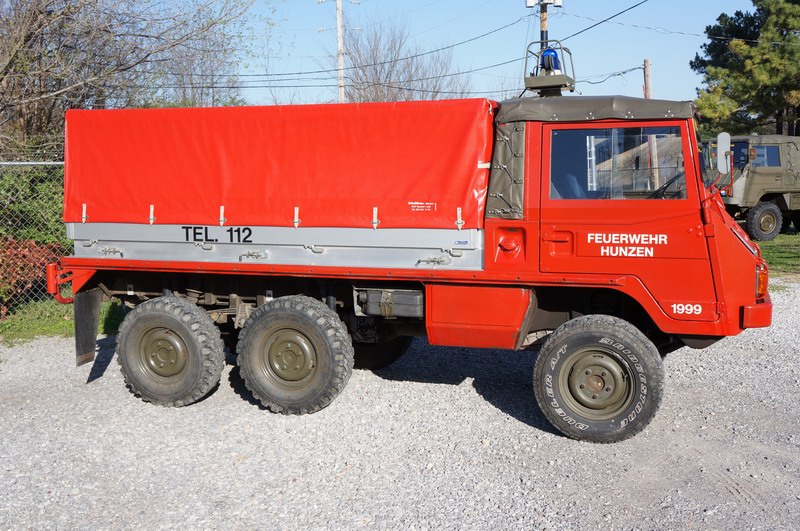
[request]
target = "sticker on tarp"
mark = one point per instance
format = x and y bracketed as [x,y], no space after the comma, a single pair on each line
[422,206]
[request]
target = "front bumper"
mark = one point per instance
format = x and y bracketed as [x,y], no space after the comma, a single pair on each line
[758,315]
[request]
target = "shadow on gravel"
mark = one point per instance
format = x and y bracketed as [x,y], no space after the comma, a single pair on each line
[105,353]
[237,383]
[501,377]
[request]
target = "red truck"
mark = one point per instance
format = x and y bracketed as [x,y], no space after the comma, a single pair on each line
[313,237]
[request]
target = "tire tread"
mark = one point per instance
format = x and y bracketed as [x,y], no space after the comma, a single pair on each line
[204,330]
[331,326]
[612,326]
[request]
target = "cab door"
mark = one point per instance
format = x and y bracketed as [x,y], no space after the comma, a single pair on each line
[512,207]
[623,199]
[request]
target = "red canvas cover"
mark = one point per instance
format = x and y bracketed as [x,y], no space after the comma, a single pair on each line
[417,162]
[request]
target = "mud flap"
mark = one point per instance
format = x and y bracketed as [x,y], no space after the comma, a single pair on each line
[87,319]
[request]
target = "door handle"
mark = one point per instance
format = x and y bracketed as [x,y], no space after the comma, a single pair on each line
[509,245]
[557,237]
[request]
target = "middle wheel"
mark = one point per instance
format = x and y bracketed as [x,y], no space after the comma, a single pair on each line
[295,355]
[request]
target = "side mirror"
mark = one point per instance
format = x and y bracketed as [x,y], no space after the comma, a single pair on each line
[723,153]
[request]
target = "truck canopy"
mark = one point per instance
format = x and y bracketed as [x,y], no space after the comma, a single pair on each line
[587,108]
[420,164]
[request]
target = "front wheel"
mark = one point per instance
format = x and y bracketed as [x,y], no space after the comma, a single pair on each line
[598,379]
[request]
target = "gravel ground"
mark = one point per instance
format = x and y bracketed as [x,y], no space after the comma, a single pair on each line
[445,438]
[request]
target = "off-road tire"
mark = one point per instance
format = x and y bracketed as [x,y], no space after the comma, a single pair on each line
[170,352]
[376,356]
[295,355]
[764,222]
[599,379]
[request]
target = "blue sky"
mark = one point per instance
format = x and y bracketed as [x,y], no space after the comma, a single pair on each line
[668,32]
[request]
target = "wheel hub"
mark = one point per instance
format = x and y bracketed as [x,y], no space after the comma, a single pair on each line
[291,356]
[597,382]
[768,222]
[163,352]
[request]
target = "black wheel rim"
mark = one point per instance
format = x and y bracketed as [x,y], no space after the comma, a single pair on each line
[596,384]
[162,354]
[288,357]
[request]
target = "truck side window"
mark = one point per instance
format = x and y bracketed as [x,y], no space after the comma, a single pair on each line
[617,163]
[767,156]
[741,154]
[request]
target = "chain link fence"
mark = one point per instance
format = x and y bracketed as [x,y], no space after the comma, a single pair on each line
[31,232]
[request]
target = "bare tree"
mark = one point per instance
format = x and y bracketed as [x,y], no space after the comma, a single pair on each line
[384,65]
[59,54]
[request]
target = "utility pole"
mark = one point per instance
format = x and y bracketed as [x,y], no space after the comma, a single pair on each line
[543,24]
[542,5]
[340,43]
[652,140]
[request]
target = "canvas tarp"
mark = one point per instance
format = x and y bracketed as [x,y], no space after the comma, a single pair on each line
[416,162]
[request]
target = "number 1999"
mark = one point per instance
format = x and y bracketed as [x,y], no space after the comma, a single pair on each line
[687,309]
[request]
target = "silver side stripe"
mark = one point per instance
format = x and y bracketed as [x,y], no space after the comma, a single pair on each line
[344,247]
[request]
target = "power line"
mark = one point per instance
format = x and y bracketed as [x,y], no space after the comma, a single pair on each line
[446,22]
[403,14]
[664,31]
[608,76]
[605,20]
[381,63]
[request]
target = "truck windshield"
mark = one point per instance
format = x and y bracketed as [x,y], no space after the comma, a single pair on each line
[617,163]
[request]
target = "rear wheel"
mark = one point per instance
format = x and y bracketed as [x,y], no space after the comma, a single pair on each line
[764,221]
[295,355]
[170,352]
[599,379]
[375,356]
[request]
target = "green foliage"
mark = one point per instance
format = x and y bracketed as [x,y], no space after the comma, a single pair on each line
[783,254]
[49,318]
[751,69]
[31,199]
[43,318]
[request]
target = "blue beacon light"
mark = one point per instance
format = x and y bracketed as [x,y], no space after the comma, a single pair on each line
[550,61]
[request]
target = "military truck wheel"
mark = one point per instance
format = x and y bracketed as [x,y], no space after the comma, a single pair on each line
[376,356]
[764,222]
[170,352]
[295,355]
[598,379]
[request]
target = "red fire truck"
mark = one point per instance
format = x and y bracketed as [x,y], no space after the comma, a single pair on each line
[313,237]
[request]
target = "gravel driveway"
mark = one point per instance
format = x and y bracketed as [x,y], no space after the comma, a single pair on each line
[445,438]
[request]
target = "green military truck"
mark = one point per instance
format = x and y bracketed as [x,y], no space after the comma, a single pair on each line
[764,187]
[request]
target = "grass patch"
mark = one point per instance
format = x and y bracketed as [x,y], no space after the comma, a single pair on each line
[49,318]
[783,253]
